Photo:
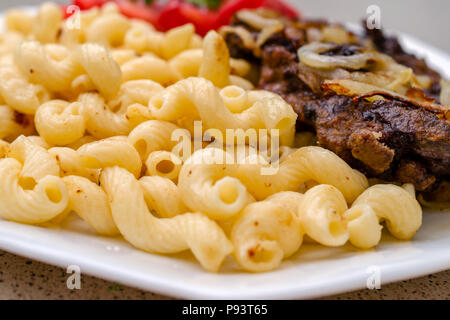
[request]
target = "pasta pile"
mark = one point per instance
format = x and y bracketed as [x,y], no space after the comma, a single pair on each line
[88,113]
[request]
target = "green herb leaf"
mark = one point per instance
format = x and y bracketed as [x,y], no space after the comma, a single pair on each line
[212,4]
[115,287]
[146,1]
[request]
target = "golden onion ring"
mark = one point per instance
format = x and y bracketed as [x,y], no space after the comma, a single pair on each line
[310,55]
[445,93]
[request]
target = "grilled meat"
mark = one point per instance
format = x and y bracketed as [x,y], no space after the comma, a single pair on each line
[390,139]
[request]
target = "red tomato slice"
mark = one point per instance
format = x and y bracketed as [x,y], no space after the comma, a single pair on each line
[165,16]
[171,17]
[138,11]
[229,8]
[202,18]
[89,4]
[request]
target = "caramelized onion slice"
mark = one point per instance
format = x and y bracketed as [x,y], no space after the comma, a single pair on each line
[445,92]
[255,20]
[310,55]
[366,91]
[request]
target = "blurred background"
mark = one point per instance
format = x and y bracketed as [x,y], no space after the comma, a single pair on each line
[427,20]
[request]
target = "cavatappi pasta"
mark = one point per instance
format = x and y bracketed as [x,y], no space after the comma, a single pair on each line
[99,116]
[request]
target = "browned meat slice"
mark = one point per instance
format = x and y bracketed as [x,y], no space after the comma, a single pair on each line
[388,139]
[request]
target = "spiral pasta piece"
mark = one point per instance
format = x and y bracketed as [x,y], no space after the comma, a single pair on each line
[396,206]
[115,151]
[19,21]
[73,163]
[90,202]
[220,184]
[235,98]
[109,30]
[14,124]
[52,66]
[192,231]
[164,164]
[4,148]
[45,201]
[101,121]
[307,163]
[47,23]
[38,140]
[37,162]
[149,67]
[101,68]
[137,91]
[151,136]
[18,93]
[267,232]
[177,40]
[187,63]
[321,215]
[199,98]
[163,196]
[215,65]
[60,122]
[206,187]
[31,190]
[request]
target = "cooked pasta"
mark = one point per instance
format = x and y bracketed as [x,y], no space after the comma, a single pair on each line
[163,196]
[31,190]
[199,98]
[72,163]
[161,138]
[52,66]
[14,124]
[109,29]
[215,65]
[19,21]
[164,164]
[151,136]
[101,121]
[115,151]
[90,202]
[18,93]
[307,163]
[267,232]
[321,215]
[396,206]
[60,122]
[149,67]
[206,187]
[4,148]
[47,23]
[192,231]
[101,68]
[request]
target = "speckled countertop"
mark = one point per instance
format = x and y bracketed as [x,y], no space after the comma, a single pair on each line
[21,278]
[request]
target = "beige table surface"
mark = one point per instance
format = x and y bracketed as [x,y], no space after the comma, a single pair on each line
[21,278]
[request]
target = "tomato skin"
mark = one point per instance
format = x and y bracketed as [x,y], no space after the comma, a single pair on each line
[65,13]
[170,17]
[89,4]
[178,12]
[139,11]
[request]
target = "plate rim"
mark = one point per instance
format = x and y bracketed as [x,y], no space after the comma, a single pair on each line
[392,273]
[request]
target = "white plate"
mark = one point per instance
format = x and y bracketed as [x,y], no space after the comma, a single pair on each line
[314,271]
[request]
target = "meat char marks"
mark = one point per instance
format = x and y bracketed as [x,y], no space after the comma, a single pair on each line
[391,139]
